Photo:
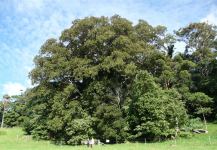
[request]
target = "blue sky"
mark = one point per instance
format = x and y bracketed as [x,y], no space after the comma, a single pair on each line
[26,24]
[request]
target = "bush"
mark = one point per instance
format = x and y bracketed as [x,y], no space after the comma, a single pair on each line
[194,123]
[185,134]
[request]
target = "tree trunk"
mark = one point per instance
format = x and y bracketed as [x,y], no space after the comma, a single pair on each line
[205,122]
[3,113]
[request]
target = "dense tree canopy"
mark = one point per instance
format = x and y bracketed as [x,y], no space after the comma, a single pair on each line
[109,79]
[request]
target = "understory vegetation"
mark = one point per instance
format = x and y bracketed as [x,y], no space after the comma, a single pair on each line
[110,79]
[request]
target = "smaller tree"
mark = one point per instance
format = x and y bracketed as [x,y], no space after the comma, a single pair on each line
[15,114]
[199,104]
[154,112]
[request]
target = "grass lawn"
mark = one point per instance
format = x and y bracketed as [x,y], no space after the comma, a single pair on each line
[13,139]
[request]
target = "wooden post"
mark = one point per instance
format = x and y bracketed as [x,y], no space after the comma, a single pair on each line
[177,127]
[204,119]
[210,140]
[176,130]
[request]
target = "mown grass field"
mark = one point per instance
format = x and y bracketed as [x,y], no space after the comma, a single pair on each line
[14,139]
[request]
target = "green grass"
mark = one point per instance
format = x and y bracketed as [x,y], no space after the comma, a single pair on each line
[14,139]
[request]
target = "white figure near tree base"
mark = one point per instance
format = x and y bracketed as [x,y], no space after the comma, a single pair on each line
[91,142]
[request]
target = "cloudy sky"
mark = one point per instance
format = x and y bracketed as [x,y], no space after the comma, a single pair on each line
[26,24]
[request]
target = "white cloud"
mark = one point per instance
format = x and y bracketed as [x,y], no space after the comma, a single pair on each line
[211,18]
[13,88]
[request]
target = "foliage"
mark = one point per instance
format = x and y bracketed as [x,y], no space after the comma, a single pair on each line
[154,112]
[84,79]
[107,78]
[15,113]
[194,123]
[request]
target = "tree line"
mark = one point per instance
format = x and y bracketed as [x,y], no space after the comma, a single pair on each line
[108,78]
